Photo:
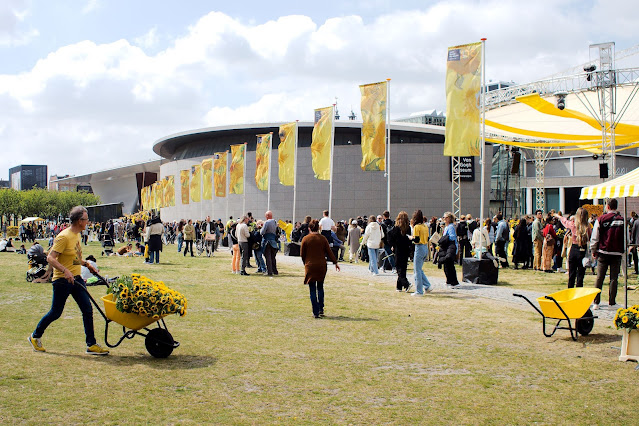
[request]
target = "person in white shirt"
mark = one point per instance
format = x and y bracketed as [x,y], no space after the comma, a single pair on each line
[327,225]
[373,239]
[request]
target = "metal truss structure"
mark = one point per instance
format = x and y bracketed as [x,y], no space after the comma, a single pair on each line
[456,177]
[541,158]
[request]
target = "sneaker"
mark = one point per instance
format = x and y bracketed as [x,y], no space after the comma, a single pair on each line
[36,343]
[399,291]
[410,286]
[97,350]
[321,314]
[595,306]
[429,289]
[417,294]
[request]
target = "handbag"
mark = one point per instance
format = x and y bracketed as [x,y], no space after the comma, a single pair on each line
[587,260]
[209,237]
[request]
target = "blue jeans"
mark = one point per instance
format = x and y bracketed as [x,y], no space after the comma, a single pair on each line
[421,282]
[180,241]
[259,258]
[389,253]
[61,291]
[373,254]
[316,289]
[154,254]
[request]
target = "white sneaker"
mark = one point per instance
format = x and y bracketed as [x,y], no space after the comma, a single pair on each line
[595,306]
[417,294]
[429,289]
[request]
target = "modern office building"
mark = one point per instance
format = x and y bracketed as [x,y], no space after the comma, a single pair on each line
[28,176]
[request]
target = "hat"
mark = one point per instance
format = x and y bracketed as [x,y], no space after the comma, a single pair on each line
[354,222]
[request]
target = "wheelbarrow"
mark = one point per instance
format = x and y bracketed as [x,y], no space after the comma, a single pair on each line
[158,341]
[568,305]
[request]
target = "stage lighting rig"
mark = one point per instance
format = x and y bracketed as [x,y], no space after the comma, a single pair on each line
[561,100]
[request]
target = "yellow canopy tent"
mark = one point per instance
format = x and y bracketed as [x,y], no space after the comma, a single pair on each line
[621,187]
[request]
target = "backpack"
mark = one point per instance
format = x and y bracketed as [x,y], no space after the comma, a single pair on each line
[462,230]
[255,240]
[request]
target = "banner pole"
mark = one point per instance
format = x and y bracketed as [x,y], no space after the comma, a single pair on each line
[330,184]
[270,154]
[388,147]
[483,130]
[244,180]
[228,184]
[295,171]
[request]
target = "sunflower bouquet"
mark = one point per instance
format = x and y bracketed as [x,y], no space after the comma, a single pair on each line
[140,295]
[627,318]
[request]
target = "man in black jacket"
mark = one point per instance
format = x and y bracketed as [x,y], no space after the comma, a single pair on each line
[387,224]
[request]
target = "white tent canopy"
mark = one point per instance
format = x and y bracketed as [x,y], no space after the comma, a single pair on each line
[621,187]
[32,219]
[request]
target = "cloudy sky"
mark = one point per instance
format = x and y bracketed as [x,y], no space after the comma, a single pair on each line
[92,84]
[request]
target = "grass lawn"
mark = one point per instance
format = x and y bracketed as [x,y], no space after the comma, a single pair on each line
[252,353]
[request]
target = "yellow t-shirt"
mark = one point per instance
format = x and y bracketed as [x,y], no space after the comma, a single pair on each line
[67,243]
[421,230]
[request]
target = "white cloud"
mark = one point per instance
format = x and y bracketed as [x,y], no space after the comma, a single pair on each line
[109,102]
[91,6]
[12,29]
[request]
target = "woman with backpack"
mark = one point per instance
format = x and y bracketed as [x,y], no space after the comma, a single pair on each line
[548,250]
[581,232]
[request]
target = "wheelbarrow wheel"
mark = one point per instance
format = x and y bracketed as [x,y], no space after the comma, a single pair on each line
[159,343]
[586,323]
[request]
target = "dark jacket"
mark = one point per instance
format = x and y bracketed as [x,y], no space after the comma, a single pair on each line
[607,235]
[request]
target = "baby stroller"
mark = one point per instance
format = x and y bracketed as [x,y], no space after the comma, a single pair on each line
[107,245]
[37,263]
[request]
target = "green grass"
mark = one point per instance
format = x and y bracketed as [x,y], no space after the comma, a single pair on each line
[251,353]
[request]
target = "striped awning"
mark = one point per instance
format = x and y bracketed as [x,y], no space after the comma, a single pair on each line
[623,186]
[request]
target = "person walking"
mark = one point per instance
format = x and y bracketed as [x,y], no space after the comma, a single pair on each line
[189,237]
[154,237]
[522,240]
[537,240]
[242,233]
[399,239]
[502,236]
[606,245]
[448,248]
[373,235]
[387,224]
[420,239]
[580,237]
[352,241]
[313,251]
[209,228]
[235,247]
[66,259]
[269,243]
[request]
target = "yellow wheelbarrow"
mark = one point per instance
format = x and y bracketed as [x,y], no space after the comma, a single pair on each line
[568,305]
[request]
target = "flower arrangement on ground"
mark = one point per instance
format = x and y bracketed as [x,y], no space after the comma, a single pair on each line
[140,295]
[627,318]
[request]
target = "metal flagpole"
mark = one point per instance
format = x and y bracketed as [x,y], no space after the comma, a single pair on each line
[244,186]
[228,183]
[330,184]
[388,140]
[268,194]
[483,130]
[295,170]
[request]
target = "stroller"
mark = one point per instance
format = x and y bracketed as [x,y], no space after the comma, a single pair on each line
[38,265]
[107,245]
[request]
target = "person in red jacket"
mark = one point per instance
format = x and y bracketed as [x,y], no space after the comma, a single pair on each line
[606,245]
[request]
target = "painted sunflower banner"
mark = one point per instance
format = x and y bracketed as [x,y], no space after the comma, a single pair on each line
[286,153]
[321,143]
[195,186]
[144,202]
[262,157]
[373,126]
[207,179]
[463,86]
[184,185]
[159,194]
[236,175]
[219,174]
[169,191]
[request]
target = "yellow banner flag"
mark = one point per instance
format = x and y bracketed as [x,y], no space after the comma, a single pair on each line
[373,126]
[219,174]
[196,183]
[236,177]
[207,179]
[262,160]
[184,185]
[286,153]
[159,194]
[463,87]
[321,143]
[169,191]
[143,198]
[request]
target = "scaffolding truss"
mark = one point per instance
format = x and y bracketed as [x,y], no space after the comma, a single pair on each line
[456,178]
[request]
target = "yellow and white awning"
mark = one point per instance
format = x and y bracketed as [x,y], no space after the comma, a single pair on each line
[623,186]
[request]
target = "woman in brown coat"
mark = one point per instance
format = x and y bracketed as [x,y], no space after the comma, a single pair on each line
[313,251]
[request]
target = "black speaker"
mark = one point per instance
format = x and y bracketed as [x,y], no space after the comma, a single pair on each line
[516,160]
[603,170]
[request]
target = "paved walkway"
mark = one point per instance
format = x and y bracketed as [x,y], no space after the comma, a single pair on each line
[504,294]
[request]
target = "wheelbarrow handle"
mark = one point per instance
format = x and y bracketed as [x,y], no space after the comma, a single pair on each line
[529,302]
